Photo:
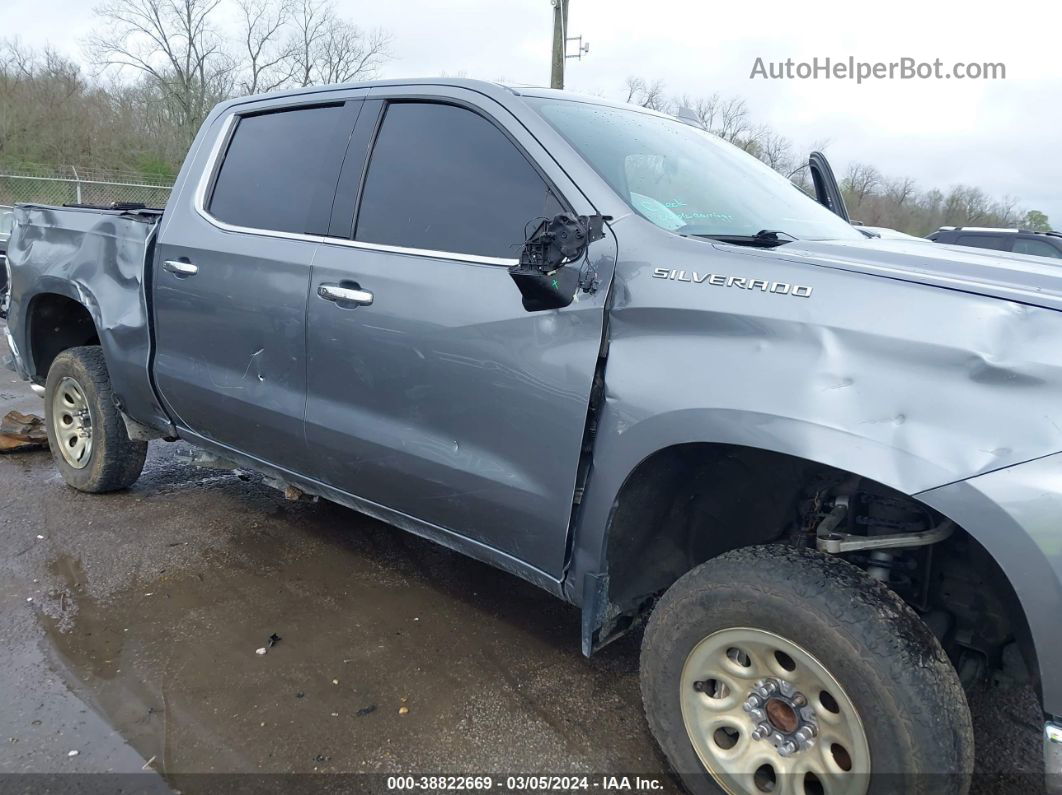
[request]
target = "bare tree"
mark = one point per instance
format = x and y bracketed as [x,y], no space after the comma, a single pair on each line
[16,60]
[635,86]
[647,95]
[326,49]
[270,63]
[727,117]
[777,151]
[899,191]
[348,54]
[860,181]
[174,46]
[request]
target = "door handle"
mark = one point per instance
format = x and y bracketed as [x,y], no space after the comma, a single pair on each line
[180,269]
[345,295]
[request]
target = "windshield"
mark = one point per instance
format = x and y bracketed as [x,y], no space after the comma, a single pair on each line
[686,180]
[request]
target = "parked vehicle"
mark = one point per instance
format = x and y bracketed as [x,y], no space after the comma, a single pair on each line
[615,356]
[886,233]
[7,221]
[1018,241]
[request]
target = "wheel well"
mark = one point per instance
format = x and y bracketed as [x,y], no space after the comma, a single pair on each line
[686,504]
[689,503]
[55,324]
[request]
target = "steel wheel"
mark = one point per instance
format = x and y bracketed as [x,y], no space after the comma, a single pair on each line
[72,423]
[764,715]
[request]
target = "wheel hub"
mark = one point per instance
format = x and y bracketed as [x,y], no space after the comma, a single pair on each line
[72,423]
[782,715]
[763,714]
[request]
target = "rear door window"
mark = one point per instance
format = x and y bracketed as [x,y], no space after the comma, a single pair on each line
[1036,247]
[281,168]
[443,178]
[997,242]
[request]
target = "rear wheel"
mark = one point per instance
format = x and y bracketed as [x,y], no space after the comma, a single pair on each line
[770,669]
[86,433]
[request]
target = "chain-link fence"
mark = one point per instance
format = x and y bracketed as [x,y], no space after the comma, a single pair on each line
[72,185]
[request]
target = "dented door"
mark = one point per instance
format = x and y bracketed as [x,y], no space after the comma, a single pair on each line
[231,275]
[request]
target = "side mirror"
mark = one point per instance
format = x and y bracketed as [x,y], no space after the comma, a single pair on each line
[541,276]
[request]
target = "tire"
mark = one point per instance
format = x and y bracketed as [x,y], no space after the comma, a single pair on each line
[845,638]
[78,393]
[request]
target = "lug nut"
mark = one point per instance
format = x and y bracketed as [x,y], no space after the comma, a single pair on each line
[787,748]
[799,700]
[767,689]
[760,732]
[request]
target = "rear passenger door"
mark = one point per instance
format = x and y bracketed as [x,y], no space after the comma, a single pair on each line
[431,391]
[232,271]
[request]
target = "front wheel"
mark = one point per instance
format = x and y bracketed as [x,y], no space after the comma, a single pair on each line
[770,669]
[86,433]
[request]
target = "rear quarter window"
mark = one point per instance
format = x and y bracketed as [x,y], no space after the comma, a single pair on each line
[1038,248]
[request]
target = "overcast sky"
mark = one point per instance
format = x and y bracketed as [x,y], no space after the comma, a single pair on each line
[1004,136]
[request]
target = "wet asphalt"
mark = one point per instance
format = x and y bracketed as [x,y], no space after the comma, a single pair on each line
[130,622]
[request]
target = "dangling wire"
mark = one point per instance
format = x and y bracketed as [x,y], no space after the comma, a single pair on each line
[588,280]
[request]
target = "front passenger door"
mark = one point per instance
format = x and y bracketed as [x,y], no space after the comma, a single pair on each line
[431,391]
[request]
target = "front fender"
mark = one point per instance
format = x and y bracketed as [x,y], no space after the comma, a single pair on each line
[905,384]
[1016,515]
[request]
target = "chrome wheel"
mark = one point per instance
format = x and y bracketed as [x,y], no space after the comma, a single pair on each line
[764,715]
[72,423]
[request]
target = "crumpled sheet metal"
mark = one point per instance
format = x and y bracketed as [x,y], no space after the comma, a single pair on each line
[910,385]
[97,258]
[19,432]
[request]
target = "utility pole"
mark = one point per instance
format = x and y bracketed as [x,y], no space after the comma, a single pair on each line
[560,33]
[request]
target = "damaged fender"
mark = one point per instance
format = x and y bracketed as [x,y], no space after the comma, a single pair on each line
[901,382]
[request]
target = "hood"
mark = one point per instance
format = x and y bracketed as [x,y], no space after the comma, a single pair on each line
[1014,277]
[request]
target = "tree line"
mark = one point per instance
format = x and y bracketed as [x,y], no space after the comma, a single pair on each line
[158,67]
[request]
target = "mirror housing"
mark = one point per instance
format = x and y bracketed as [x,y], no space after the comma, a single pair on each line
[541,275]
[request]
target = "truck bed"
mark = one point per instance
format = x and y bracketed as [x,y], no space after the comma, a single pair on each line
[98,257]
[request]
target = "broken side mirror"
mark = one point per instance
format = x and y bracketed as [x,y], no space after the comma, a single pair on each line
[542,275]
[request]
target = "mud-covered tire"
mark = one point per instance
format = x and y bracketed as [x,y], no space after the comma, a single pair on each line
[114,461]
[892,669]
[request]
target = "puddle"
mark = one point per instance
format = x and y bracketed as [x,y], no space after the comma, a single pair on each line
[394,655]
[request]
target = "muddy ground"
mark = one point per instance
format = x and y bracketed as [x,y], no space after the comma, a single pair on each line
[130,623]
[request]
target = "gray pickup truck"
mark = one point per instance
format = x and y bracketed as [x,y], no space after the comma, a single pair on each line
[617,357]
